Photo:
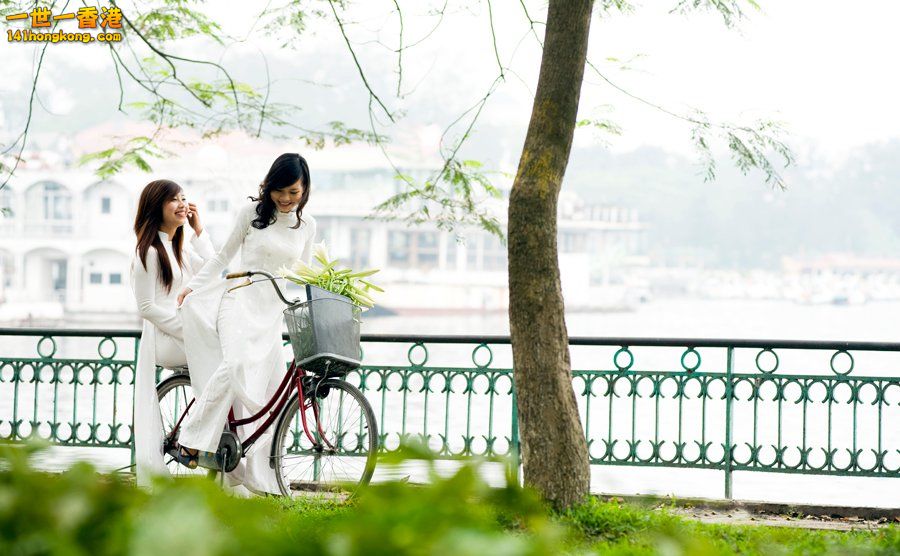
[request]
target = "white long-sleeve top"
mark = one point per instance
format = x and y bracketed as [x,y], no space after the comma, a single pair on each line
[268,249]
[155,304]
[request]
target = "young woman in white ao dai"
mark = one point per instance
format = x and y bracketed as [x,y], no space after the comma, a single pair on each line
[234,338]
[162,213]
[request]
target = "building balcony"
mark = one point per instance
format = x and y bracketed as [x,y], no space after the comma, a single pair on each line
[49,228]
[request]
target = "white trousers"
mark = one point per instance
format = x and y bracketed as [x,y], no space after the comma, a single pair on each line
[169,351]
[203,427]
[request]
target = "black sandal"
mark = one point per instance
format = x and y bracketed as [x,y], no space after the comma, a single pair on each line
[185,458]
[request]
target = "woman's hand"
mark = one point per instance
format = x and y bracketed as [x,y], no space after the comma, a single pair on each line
[194,219]
[183,294]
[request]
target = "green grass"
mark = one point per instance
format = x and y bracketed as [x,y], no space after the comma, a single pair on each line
[611,528]
[82,512]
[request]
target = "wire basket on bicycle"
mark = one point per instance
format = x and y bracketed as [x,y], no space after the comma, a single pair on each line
[324,332]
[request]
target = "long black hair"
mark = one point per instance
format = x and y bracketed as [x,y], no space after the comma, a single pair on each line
[285,172]
[147,223]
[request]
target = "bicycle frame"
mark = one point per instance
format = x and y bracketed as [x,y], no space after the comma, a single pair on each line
[293,378]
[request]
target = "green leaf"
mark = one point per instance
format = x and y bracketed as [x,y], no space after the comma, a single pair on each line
[329,276]
[364,273]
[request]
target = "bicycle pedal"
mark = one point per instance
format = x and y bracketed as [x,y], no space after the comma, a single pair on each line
[175,453]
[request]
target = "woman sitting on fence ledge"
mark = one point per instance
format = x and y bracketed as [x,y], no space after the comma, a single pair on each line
[162,265]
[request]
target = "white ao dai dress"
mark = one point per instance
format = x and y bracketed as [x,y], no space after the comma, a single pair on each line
[161,343]
[233,339]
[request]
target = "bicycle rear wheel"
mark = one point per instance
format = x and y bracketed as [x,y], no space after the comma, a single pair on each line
[175,393]
[343,456]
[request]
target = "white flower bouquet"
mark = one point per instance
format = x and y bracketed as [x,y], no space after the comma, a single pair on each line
[329,276]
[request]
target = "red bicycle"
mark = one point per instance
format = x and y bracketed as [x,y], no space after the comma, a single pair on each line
[326,437]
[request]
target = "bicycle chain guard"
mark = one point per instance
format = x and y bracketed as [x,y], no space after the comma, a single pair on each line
[230,449]
[226,458]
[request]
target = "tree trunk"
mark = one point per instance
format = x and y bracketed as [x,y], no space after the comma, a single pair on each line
[553,448]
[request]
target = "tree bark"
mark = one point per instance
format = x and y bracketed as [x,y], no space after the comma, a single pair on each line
[553,447]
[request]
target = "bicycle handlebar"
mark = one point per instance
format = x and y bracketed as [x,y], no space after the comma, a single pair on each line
[268,276]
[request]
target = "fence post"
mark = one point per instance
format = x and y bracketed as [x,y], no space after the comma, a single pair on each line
[137,343]
[729,387]
[516,461]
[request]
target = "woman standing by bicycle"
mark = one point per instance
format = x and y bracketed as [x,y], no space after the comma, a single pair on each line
[235,334]
[162,265]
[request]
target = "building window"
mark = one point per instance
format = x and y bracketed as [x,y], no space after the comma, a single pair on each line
[473,244]
[217,205]
[324,227]
[360,245]
[7,269]
[115,278]
[398,249]
[413,249]
[427,255]
[494,256]
[57,202]
[105,205]
[96,278]
[573,242]
[455,251]
[5,203]
[58,274]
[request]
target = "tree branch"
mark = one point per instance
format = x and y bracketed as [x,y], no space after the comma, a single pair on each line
[165,57]
[359,69]
[119,80]
[433,29]
[399,49]
[169,57]
[262,111]
[23,136]
[730,10]
[747,144]
[494,38]
[531,23]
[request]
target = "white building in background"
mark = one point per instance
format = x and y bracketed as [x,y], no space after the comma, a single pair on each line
[67,246]
[427,269]
[66,250]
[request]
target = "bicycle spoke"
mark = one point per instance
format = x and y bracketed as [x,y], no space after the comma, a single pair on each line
[339,461]
[174,398]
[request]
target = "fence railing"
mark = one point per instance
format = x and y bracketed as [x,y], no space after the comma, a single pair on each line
[816,408]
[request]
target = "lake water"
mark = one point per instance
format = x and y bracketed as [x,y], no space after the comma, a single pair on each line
[672,318]
[688,318]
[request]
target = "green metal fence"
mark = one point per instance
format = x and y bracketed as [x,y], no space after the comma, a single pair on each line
[817,408]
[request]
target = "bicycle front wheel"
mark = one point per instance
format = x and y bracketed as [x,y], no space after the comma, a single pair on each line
[342,457]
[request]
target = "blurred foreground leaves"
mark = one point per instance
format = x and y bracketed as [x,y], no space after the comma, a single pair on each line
[82,512]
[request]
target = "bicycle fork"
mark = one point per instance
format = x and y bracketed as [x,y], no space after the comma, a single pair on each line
[301,400]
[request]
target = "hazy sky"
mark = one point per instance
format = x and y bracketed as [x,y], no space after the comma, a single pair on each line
[825,68]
